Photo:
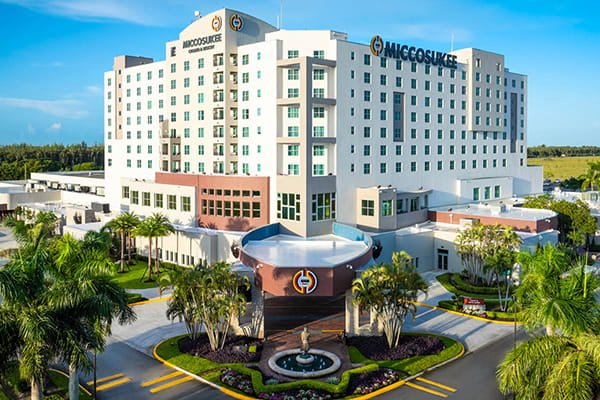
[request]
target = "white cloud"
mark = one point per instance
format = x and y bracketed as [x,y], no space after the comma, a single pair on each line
[130,11]
[55,127]
[93,89]
[58,108]
[30,129]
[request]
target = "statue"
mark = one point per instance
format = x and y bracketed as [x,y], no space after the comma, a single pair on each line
[304,335]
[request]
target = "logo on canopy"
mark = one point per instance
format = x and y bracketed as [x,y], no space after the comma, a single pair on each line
[305,281]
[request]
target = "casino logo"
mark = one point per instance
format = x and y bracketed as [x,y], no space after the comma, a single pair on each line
[305,281]
[376,45]
[236,23]
[216,23]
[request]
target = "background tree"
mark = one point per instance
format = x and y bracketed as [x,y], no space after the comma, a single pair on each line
[501,266]
[389,289]
[575,222]
[478,243]
[591,178]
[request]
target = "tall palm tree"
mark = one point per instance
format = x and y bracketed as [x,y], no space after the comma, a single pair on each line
[162,227]
[87,298]
[124,225]
[29,324]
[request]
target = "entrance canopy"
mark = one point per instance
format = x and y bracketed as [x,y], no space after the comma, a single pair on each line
[287,265]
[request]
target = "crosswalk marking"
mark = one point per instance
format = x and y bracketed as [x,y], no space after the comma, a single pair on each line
[113,384]
[424,389]
[437,384]
[106,378]
[161,379]
[171,384]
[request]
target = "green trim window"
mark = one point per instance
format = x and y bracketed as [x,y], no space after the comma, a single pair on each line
[146,199]
[476,194]
[158,200]
[185,203]
[367,208]
[386,208]
[135,197]
[288,206]
[323,206]
[125,192]
[171,202]
[293,112]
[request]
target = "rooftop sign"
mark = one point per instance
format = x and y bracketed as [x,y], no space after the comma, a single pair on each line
[411,53]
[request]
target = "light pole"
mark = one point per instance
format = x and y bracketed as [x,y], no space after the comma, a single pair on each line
[94,374]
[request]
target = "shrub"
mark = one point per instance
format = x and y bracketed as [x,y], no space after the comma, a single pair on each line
[375,348]
[294,394]
[461,284]
[236,349]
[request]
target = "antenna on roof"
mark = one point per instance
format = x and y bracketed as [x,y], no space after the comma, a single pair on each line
[197,14]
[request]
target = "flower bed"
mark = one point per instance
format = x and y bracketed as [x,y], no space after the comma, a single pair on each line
[237,349]
[304,394]
[376,347]
[241,382]
[371,381]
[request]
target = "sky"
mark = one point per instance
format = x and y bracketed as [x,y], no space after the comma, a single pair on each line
[53,53]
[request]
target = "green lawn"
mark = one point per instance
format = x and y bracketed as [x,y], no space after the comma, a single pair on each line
[132,278]
[413,365]
[563,167]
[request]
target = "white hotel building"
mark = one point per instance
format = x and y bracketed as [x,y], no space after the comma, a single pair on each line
[245,126]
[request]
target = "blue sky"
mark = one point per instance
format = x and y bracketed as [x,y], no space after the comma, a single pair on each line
[53,52]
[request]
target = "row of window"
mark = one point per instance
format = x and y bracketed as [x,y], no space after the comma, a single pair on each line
[487,193]
[451,149]
[158,199]
[226,208]
[367,207]
[428,166]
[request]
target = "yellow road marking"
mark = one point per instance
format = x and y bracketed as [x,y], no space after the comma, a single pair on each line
[171,384]
[155,300]
[432,383]
[162,378]
[113,384]
[106,378]
[424,389]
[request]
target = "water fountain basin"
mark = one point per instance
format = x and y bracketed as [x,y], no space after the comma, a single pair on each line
[295,363]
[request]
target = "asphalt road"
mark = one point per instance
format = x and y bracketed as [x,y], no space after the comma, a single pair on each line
[473,376]
[137,368]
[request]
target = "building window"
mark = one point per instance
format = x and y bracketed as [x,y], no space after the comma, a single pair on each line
[318,169]
[171,202]
[135,197]
[146,199]
[293,112]
[158,200]
[386,208]
[497,191]
[185,203]
[367,208]
[288,206]
[319,74]
[323,206]
[475,194]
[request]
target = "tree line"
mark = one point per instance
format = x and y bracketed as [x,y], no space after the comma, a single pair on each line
[18,161]
[544,151]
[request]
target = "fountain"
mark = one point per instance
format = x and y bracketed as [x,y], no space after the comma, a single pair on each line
[304,362]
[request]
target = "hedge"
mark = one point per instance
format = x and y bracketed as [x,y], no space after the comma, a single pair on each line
[450,285]
[499,315]
[460,283]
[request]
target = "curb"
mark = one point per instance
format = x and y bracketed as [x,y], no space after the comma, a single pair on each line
[240,396]
[81,387]
[492,321]
[155,300]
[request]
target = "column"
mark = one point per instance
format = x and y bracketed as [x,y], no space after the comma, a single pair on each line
[352,317]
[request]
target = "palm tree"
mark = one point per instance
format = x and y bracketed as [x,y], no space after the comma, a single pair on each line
[554,294]
[152,227]
[591,178]
[86,298]
[162,227]
[29,325]
[124,224]
[553,368]
[389,290]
